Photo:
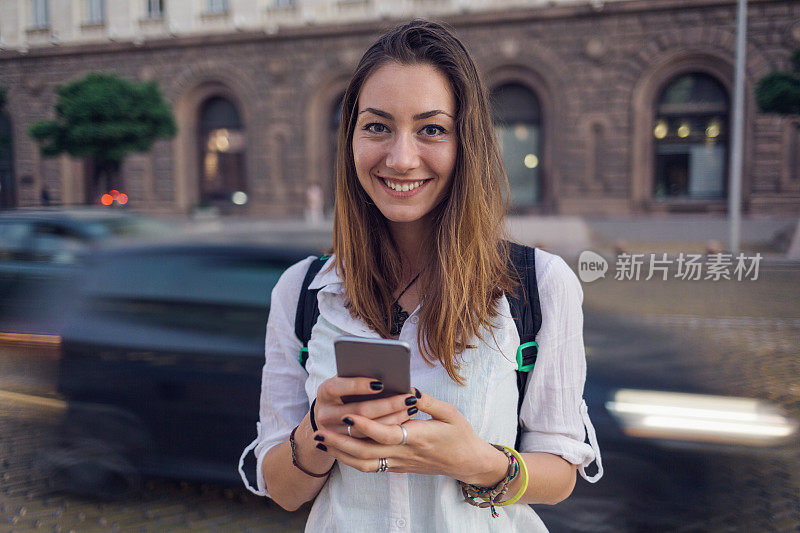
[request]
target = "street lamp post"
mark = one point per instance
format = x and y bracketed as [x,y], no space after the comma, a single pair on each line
[735,189]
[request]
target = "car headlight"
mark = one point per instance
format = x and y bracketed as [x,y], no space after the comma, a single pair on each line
[700,417]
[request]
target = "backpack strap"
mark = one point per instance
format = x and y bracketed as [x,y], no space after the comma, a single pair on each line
[307,308]
[526,311]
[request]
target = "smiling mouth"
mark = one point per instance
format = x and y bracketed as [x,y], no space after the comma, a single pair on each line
[403,186]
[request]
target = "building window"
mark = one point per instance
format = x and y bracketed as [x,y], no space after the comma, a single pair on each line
[284,3]
[216,6]
[95,11]
[690,133]
[7,181]
[40,14]
[517,124]
[597,156]
[334,120]
[222,148]
[155,9]
[794,153]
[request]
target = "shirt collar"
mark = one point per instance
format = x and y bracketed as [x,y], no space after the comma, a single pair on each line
[328,278]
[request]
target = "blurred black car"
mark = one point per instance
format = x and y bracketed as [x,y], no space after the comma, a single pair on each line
[161,363]
[161,369]
[40,252]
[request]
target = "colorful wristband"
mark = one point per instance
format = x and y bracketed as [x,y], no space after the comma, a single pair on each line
[523,471]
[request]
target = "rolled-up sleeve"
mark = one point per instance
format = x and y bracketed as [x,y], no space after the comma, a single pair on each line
[284,401]
[554,417]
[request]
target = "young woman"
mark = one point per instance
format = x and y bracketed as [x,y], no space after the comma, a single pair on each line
[419,255]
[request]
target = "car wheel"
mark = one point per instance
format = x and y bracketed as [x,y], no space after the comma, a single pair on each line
[90,469]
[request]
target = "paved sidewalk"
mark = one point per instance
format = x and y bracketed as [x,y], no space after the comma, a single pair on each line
[751,328]
[26,504]
[740,338]
[562,234]
[746,333]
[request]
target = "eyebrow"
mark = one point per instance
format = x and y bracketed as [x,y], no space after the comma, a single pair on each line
[420,116]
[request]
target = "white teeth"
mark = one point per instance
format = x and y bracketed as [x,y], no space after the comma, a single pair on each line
[403,187]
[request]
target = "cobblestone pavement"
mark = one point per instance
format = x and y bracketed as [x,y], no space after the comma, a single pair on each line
[163,505]
[743,489]
[29,413]
[746,335]
[739,339]
[755,356]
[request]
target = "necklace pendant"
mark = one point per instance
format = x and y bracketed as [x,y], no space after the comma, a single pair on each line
[398,315]
[398,319]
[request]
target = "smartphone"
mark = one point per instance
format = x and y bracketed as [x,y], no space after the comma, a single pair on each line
[387,360]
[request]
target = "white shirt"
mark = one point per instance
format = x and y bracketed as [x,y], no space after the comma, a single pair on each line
[553,414]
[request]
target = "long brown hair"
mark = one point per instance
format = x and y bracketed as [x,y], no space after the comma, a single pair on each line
[468,269]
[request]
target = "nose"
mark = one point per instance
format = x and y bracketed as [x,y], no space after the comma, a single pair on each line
[402,155]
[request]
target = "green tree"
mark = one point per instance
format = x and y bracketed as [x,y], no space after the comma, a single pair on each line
[103,118]
[779,92]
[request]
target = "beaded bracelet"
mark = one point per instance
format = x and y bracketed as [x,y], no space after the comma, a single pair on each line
[294,458]
[523,469]
[491,495]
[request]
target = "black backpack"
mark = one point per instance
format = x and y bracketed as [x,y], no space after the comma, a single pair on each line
[525,309]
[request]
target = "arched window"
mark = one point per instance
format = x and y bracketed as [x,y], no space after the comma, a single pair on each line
[691,138]
[222,149]
[335,119]
[517,121]
[793,152]
[7,192]
[597,155]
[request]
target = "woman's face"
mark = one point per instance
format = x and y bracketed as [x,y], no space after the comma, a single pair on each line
[404,142]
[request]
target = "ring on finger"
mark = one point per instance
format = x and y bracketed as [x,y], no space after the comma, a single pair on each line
[405,435]
[348,431]
[383,465]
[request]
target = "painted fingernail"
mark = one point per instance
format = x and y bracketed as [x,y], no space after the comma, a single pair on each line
[412,410]
[376,385]
[319,438]
[411,400]
[348,421]
[417,393]
[322,447]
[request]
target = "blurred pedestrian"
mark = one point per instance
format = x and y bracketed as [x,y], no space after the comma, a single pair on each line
[44,197]
[314,214]
[419,254]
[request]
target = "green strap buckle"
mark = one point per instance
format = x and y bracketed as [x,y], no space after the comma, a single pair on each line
[520,360]
[303,357]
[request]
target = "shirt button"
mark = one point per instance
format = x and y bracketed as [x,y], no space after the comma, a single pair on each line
[401,522]
[414,319]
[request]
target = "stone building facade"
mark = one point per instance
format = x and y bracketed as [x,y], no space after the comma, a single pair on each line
[618,107]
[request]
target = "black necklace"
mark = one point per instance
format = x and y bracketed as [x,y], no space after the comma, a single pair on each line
[398,315]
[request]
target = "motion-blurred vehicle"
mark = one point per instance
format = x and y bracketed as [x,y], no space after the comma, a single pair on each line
[40,252]
[671,444]
[161,363]
[161,368]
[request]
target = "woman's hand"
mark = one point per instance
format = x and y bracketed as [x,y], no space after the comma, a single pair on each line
[330,410]
[444,445]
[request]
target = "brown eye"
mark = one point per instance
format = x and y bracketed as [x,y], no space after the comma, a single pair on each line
[432,130]
[375,127]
